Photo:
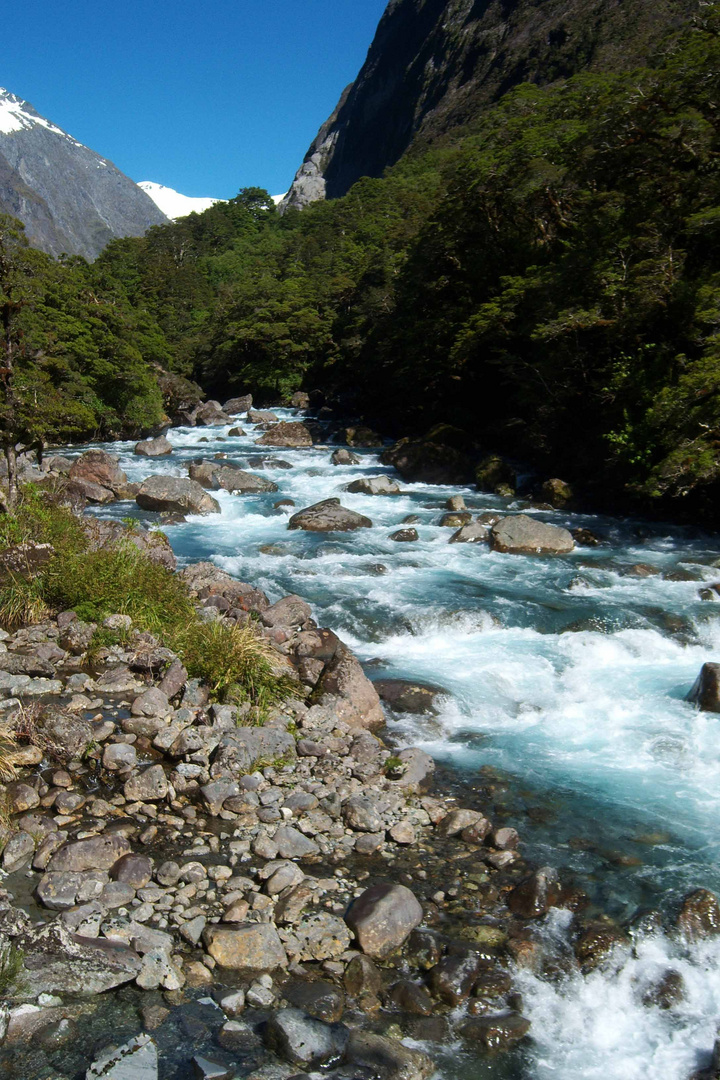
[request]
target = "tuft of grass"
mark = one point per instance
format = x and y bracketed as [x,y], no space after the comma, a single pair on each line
[22,602]
[232,661]
[11,966]
[8,759]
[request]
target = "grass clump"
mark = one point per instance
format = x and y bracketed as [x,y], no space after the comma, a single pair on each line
[11,966]
[233,661]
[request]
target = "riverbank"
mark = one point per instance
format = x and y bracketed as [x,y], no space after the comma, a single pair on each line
[406,617]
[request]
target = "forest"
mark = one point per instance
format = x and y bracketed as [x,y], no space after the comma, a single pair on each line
[546,279]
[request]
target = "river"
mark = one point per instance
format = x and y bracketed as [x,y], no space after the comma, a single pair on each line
[565,677]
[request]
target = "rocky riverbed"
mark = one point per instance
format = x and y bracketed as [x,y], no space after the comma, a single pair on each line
[194,889]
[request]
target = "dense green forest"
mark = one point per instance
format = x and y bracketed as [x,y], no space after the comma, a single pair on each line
[548,280]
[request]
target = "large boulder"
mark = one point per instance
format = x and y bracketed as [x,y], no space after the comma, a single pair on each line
[383,917]
[211,414]
[556,492]
[494,472]
[56,961]
[240,750]
[409,697]
[291,611]
[101,468]
[705,691]
[238,405]
[474,533]
[386,1059]
[345,687]
[69,733]
[94,853]
[242,483]
[328,516]
[261,416]
[344,457]
[173,494]
[374,485]
[159,447]
[443,456]
[286,433]
[255,947]
[523,535]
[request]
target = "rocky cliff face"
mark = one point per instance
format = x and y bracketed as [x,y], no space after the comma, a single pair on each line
[69,198]
[434,65]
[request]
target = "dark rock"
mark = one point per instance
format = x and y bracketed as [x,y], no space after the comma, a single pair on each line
[319,999]
[493,471]
[94,853]
[134,870]
[667,992]
[495,1032]
[238,405]
[699,916]
[405,536]
[535,895]
[705,692]
[412,998]
[382,918]
[596,943]
[363,982]
[408,696]
[26,559]
[433,459]
[328,516]
[453,977]
[304,1040]
[557,493]
[104,534]
[474,533]
[456,519]
[387,1059]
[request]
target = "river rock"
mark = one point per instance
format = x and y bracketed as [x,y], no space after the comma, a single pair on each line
[382,918]
[387,1059]
[535,895]
[344,457]
[407,696]
[21,797]
[452,979]
[405,536]
[344,686]
[211,414]
[523,535]
[291,611]
[26,559]
[474,533]
[556,492]
[94,853]
[286,433]
[18,851]
[134,1060]
[440,457]
[159,447]
[238,405]
[239,751]
[699,916]
[496,1031]
[705,692]
[255,947]
[154,545]
[261,416]
[292,844]
[147,786]
[415,772]
[374,485]
[56,961]
[361,813]
[132,869]
[175,494]
[304,1040]
[100,468]
[328,516]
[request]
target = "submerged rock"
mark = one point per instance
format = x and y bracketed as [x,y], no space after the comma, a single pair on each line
[523,535]
[699,916]
[304,1040]
[440,457]
[134,1060]
[387,1059]
[408,696]
[56,961]
[535,895]
[328,516]
[474,533]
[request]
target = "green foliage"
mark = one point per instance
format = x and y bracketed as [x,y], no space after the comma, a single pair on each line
[11,968]
[234,662]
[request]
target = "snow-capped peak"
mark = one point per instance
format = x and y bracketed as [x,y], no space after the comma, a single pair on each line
[19,115]
[172,203]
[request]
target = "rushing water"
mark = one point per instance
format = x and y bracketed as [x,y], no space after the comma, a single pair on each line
[566,675]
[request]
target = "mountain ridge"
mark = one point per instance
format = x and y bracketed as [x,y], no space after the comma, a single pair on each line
[69,198]
[436,65]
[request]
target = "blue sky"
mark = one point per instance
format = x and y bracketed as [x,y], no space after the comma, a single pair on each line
[205,98]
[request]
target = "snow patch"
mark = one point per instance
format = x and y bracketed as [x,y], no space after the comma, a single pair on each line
[172,203]
[18,115]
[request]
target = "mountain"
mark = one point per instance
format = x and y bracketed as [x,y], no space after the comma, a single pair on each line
[174,205]
[436,65]
[68,197]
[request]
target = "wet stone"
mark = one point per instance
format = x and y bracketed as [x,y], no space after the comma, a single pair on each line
[304,1040]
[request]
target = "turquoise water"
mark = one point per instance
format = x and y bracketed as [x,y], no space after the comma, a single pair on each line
[567,675]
